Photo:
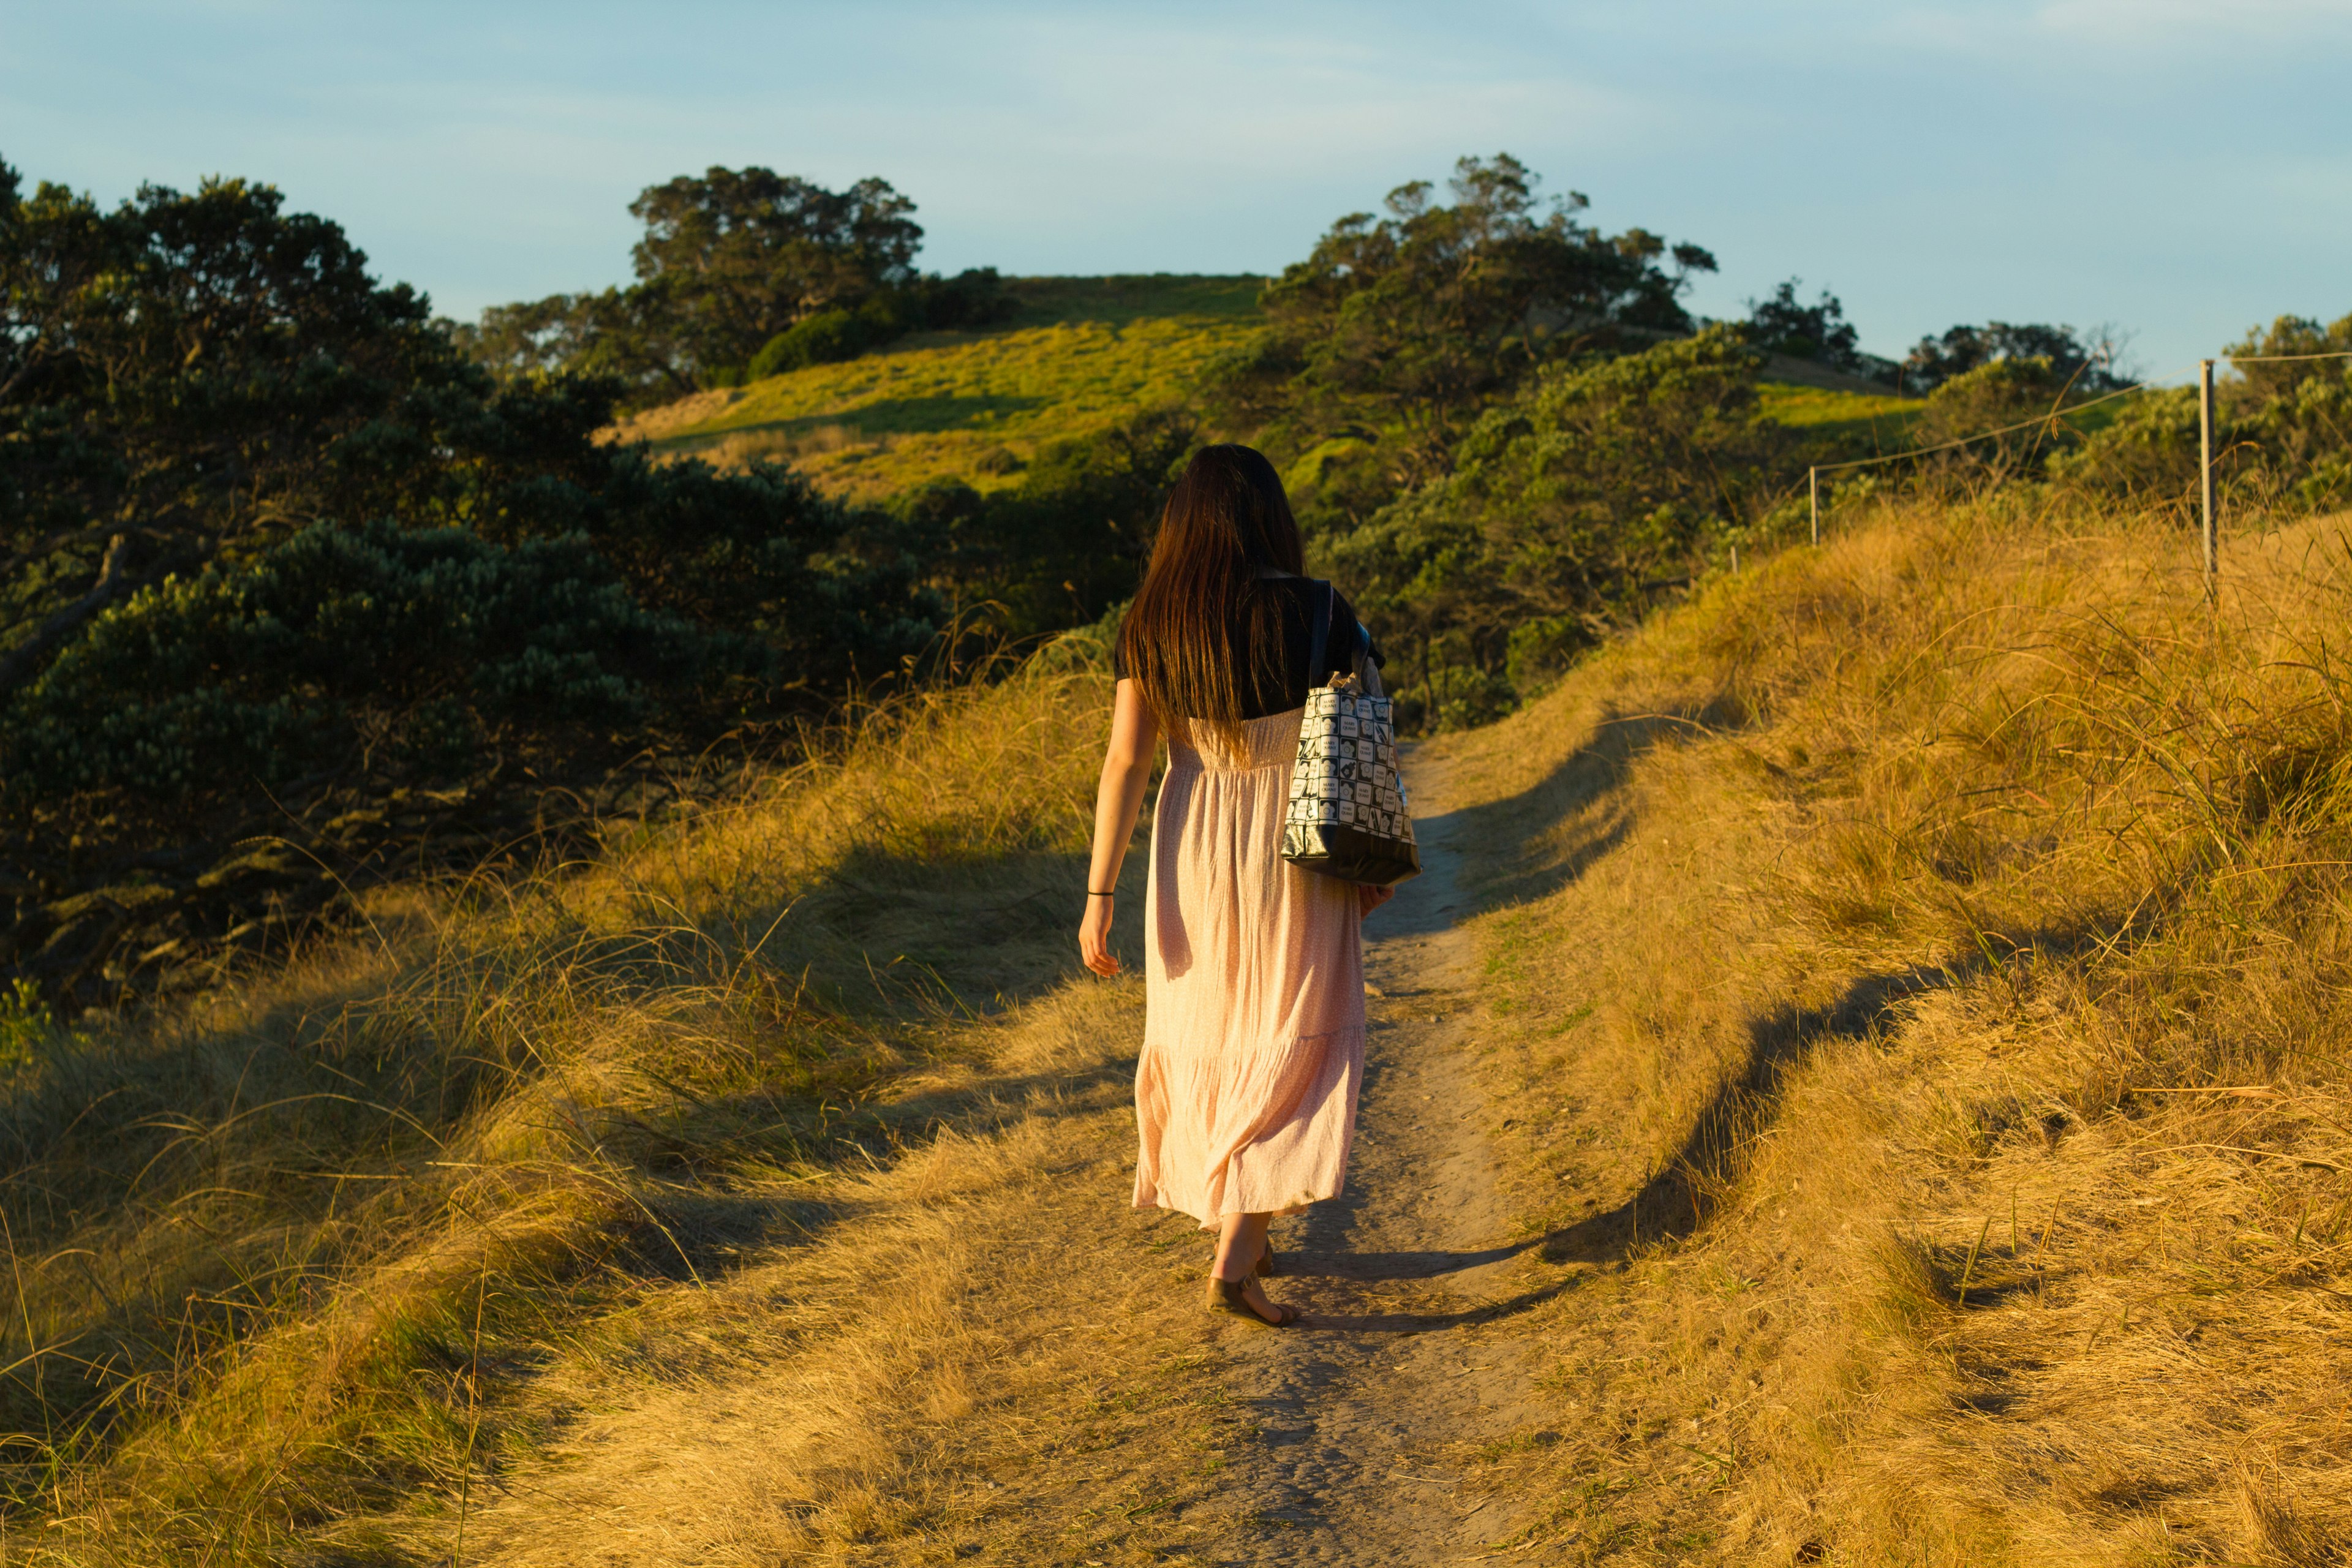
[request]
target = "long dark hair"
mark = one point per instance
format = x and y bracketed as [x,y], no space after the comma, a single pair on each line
[1227,523]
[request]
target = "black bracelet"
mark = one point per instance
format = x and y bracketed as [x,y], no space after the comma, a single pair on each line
[1092,894]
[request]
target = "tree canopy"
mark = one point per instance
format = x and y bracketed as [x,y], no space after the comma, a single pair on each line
[732,265]
[1782,324]
[1398,331]
[265,522]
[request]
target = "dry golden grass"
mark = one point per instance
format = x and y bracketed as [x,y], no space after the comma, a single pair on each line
[1915,997]
[327,1259]
[1920,999]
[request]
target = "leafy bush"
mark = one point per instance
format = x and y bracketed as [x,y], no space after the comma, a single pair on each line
[2283,435]
[818,340]
[1066,543]
[973,299]
[1567,506]
[1995,395]
[2148,451]
[296,658]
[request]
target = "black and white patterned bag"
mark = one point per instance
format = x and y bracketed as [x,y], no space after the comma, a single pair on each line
[1348,817]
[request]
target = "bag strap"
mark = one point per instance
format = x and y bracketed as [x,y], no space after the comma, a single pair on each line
[1318,635]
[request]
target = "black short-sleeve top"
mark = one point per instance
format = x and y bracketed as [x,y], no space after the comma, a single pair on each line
[1339,648]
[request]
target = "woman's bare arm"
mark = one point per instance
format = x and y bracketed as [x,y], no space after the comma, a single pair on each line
[1126,772]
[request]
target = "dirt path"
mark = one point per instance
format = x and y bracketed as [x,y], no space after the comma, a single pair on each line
[1407,1359]
[889,1391]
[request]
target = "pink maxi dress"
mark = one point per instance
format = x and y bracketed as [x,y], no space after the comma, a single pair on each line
[1254,991]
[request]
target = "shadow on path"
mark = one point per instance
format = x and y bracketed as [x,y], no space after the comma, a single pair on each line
[1527,820]
[1429,1323]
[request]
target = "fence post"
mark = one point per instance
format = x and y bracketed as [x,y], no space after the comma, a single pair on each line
[2205,473]
[1813,486]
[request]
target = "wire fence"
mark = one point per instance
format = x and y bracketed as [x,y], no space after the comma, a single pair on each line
[2061,410]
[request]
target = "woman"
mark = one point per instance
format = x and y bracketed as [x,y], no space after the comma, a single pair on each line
[1254,974]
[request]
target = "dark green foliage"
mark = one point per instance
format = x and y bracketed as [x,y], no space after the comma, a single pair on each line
[1396,332]
[1570,506]
[2285,435]
[1067,542]
[822,339]
[2083,360]
[193,379]
[305,654]
[975,298]
[199,370]
[743,273]
[274,545]
[1782,325]
[832,591]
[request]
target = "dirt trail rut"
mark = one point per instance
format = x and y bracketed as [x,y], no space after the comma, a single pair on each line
[1406,1358]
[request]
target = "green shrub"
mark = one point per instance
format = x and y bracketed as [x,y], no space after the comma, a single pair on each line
[1567,504]
[825,338]
[272,666]
[2148,450]
[2284,436]
[1995,395]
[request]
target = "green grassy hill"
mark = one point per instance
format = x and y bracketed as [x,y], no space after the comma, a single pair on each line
[1083,353]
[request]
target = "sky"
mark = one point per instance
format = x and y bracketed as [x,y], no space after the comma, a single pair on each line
[2178,170]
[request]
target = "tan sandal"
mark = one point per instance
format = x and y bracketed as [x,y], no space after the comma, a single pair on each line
[1232,1296]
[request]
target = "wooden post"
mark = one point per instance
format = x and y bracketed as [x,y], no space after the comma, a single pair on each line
[1735,560]
[1813,484]
[2205,473]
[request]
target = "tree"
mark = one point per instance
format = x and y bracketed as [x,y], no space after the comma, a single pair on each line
[188,374]
[1820,331]
[738,269]
[1398,332]
[190,382]
[2086,360]
[736,256]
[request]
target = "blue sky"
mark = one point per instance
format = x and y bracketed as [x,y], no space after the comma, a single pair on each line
[2179,169]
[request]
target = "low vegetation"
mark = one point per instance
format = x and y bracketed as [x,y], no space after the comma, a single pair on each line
[1082,356]
[344,1244]
[1911,995]
[1918,978]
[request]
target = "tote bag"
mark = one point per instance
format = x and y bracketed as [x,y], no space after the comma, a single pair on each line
[1347,818]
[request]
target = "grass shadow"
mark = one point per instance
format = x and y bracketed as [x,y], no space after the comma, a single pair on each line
[1679,1198]
[889,416]
[1531,820]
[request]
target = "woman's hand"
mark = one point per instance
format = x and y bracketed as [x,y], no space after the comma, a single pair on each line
[1094,938]
[1369,898]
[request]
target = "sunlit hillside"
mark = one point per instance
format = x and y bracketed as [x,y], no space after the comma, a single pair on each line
[1083,353]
